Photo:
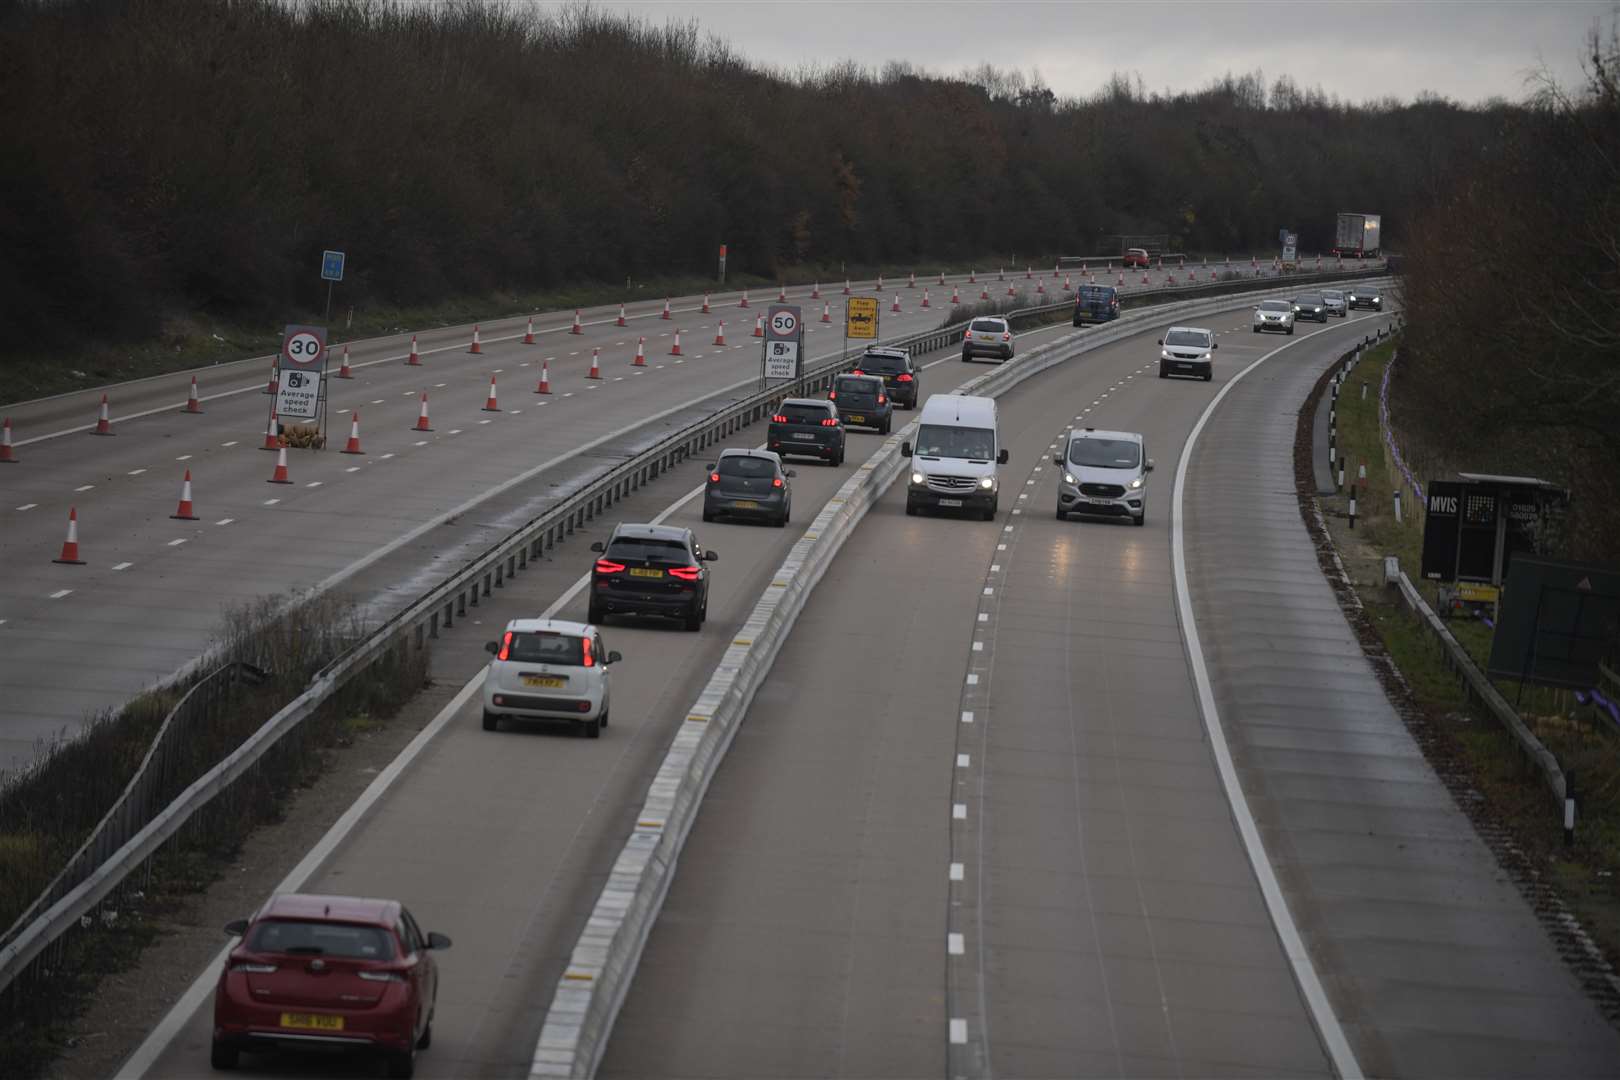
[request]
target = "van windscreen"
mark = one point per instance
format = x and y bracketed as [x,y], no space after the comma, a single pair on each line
[943,440]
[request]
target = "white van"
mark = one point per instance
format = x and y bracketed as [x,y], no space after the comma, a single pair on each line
[955,458]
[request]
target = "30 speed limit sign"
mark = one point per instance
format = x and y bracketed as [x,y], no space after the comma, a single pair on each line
[303,346]
[300,379]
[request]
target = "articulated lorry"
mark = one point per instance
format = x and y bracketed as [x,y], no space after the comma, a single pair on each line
[1357,236]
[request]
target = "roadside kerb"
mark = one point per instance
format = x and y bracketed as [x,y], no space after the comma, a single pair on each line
[441,606]
[604,959]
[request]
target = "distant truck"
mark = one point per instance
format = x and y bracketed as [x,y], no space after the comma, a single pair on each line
[1357,236]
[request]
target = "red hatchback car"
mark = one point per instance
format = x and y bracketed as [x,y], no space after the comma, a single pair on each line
[328,972]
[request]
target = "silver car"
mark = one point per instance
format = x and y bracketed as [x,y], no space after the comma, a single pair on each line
[1275,315]
[1104,474]
[988,336]
[1334,299]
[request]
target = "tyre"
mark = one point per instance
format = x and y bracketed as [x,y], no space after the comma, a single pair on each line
[966,356]
[1078,323]
[694,619]
[222,1056]
[707,516]
[1256,329]
[911,508]
[887,425]
[1061,516]
[1290,331]
[593,728]
[595,614]
[1163,374]
[604,718]
[402,1066]
[492,721]
[1140,520]
[427,1036]
[1209,376]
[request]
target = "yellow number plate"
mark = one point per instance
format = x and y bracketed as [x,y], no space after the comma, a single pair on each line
[543,680]
[312,1021]
[857,419]
[642,571]
[746,504]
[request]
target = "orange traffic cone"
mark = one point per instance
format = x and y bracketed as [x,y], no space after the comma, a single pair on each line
[880,283]
[345,372]
[911,280]
[641,353]
[528,335]
[103,421]
[744,301]
[1040,288]
[925,302]
[490,406]
[781,294]
[705,303]
[972,280]
[620,321]
[665,315]
[984,291]
[956,296]
[1029,272]
[477,346]
[274,385]
[1068,286]
[6,455]
[185,513]
[353,446]
[1056,270]
[415,359]
[1122,277]
[1144,277]
[280,475]
[942,279]
[271,433]
[896,307]
[70,546]
[759,326]
[193,403]
[1011,291]
[545,379]
[815,291]
[596,366]
[576,328]
[422,417]
[720,333]
[676,351]
[826,312]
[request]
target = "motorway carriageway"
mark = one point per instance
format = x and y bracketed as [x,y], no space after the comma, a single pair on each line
[809,930]
[384,525]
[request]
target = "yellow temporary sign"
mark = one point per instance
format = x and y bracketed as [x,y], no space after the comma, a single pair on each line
[1478,593]
[861,317]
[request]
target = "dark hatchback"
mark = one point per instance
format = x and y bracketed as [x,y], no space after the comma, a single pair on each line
[898,372]
[862,401]
[1365,297]
[1095,304]
[651,570]
[807,427]
[1311,306]
[749,484]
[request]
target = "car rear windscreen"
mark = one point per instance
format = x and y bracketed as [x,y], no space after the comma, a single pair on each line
[321,939]
[1105,453]
[804,414]
[943,440]
[1186,337]
[547,647]
[650,549]
[746,466]
[881,364]
[857,388]
[988,326]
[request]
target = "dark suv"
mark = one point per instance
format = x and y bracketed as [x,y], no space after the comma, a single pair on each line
[898,372]
[1095,303]
[807,427]
[862,401]
[651,570]
[1311,305]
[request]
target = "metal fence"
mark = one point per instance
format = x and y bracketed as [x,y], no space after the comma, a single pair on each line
[146,832]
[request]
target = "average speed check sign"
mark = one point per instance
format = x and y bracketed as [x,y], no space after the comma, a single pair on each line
[303,363]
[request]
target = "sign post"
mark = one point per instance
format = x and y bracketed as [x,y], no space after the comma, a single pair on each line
[860,320]
[301,394]
[331,273]
[784,343]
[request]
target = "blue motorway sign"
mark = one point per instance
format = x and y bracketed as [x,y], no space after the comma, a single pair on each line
[331,266]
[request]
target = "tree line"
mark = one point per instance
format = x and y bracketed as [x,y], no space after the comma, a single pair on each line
[197,156]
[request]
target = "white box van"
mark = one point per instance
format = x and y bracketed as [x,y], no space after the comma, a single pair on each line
[953,464]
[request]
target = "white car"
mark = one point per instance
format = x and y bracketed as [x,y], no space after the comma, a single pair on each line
[1188,350]
[1274,315]
[989,335]
[548,669]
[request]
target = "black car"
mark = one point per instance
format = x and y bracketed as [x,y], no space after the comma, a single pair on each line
[1095,303]
[807,427]
[1363,297]
[862,401]
[749,483]
[651,570]
[1311,306]
[898,372]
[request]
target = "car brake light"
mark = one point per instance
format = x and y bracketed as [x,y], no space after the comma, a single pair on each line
[779,418]
[832,395]
[589,661]
[857,371]
[776,482]
[606,566]
[506,647]
[905,378]
[714,478]
[381,976]
[829,422]
[251,968]
[685,573]
[1006,337]
[881,399]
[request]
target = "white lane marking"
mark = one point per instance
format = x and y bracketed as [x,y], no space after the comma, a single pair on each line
[379,401]
[439,386]
[1310,983]
[27,506]
[135,472]
[59,593]
[407,393]
[1001,547]
[956,871]
[967,716]
[231,443]
[959,811]
[973,680]
[457,431]
[995,568]
[385,457]
[984,616]
[352,468]
[483,421]
[514,412]
[183,457]
[271,502]
[963,761]
[315,483]
[224,521]
[989,590]
[85,487]
[177,543]
[122,565]
[954,944]
[978,646]
[423,442]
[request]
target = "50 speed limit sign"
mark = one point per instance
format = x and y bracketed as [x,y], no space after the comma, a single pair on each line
[784,323]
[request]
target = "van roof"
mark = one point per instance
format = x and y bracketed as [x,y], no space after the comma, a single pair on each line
[959,410]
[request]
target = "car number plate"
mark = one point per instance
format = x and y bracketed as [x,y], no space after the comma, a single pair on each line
[857,419]
[642,571]
[313,1021]
[803,435]
[950,502]
[552,681]
[746,504]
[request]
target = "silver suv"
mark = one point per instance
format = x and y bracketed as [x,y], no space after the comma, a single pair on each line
[988,336]
[1274,315]
[1104,474]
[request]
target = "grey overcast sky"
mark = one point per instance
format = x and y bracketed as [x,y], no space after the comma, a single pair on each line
[1358,50]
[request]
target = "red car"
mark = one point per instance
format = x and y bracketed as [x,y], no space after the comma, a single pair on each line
[328,972]
[1136,257]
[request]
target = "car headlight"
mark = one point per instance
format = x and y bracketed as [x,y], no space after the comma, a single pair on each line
[1207,356]
[1296,307]
[918,478]
[1068,478]
[987,482]
[1164,354]
[1136,483]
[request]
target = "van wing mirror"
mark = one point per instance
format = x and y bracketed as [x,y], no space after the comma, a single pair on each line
[905,448]
[1001,458]
[1150,465]
[1161,341]
[598,547]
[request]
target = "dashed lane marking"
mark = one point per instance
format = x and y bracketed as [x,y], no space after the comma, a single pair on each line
[59,593]
[177,543]
[271,502]
[27,506]
[224,521]
[122,565]
[85,487]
